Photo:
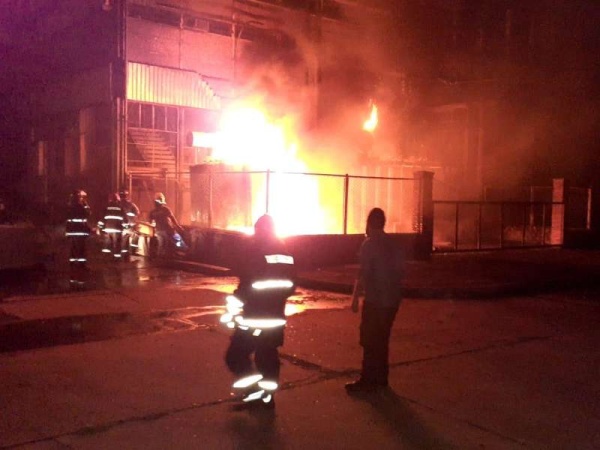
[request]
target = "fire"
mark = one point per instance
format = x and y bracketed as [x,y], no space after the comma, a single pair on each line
[248,138]
[371,123]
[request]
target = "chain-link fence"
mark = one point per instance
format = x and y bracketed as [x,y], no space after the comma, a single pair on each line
[304,203]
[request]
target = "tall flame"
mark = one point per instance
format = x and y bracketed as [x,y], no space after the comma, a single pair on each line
[371,123]
[248,138]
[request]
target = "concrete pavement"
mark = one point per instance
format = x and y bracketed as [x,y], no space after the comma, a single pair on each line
[480,274]
[506,374]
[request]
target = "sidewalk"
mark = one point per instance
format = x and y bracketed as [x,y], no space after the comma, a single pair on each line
[147,369]
[479,274]
[453,275]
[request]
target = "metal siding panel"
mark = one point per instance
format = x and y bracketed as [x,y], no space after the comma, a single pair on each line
[169,86]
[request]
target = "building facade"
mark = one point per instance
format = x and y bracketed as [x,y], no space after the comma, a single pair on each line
[108,92]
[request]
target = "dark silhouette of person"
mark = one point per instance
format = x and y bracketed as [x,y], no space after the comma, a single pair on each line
[113,225]
[131,210]
[77,228]
[165,224]
[256,311]
[380,279]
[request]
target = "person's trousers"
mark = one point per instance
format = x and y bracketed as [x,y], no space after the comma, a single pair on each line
[114,243]
[78,253]
[264,348]
[163,241]
[375,329]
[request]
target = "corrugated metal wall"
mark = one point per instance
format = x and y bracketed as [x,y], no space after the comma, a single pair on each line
[162,85]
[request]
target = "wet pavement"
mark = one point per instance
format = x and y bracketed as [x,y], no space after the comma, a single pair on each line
[475,275]
[107,277]
[133,358]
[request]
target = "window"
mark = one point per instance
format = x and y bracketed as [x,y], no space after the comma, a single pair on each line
[160,118]
[154,117]
[146,120]
[133,114]
[171,119]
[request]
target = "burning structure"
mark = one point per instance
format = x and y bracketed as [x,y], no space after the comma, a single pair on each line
[153,93]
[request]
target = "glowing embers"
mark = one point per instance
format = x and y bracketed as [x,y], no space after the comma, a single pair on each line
[272,284]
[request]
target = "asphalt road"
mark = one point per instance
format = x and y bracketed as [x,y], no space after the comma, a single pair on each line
[141,366]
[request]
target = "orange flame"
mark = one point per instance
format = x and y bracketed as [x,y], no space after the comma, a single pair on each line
[371,123]
[248,137]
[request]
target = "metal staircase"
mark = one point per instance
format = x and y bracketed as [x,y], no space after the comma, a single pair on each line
[150,151]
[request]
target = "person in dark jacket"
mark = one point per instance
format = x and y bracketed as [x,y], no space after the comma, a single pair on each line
[112,225]
[165,224]
[256,312]
[380,279]
[77,228]
[131,211]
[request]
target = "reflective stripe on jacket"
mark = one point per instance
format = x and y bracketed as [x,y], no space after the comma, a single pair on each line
[77,221]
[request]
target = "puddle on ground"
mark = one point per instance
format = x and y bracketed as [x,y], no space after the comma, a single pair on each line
[100,277]
[32,334]
[16,334]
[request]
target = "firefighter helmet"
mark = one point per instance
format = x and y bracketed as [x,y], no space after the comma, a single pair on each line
[79,193]
[160,198]
[265,226]
[124,193]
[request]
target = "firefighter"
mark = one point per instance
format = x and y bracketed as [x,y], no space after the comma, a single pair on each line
[131,210]
[77,228]
[165,224]
[112,224]
[256,312]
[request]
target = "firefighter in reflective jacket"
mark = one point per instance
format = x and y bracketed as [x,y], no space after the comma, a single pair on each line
[112,224]
[131,210]
[257,313]
[77,228]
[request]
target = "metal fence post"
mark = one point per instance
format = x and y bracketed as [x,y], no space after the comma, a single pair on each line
[268,187]
[346,190]
[502,225]
[524,231]
[423,213]
[479,219]
[559,211]
[210,198]
[456,221]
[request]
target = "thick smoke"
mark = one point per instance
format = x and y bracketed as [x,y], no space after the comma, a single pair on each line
[481,93]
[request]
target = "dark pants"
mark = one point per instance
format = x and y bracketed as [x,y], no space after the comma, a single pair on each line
[78,257]
[163,241]
[264,348]
[375,328]
[114,244]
